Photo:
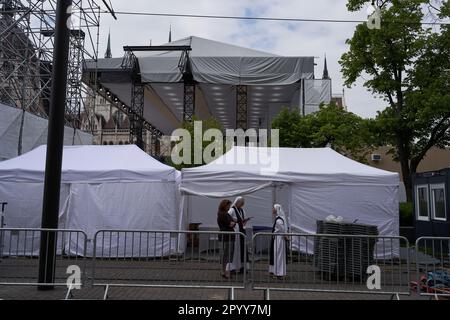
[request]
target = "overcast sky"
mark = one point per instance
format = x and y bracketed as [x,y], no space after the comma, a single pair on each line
[283,38]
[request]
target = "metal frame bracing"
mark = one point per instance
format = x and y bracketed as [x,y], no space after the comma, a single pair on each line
[116,103]
[241,107]
[130,63]
[26,55]
[137,116]
[189,101]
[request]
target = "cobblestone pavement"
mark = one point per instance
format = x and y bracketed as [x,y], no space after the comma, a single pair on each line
[164,272]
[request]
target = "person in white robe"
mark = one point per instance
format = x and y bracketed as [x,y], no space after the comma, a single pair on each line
[277,265]
[238,215]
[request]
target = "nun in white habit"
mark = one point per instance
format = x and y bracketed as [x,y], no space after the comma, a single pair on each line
[278,257]
[237,213]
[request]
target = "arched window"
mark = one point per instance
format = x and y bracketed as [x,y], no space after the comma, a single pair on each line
[111,143]
[120,143]
[105,143]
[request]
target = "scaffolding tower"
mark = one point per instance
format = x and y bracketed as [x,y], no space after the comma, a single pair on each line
[26,56]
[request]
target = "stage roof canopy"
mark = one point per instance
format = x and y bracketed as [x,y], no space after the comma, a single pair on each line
[218,63]
[273,82]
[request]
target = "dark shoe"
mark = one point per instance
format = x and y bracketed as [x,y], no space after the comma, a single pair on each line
[241,271]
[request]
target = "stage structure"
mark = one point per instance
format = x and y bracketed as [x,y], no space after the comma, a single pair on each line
[26,55]
[162,86]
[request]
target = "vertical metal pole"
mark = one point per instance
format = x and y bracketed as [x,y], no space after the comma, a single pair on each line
[2,235]
[303,92]
[55,139]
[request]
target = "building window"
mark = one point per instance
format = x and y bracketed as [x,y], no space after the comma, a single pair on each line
[438,202]
[105,143]
[111,143]
[422,203]
[120,143]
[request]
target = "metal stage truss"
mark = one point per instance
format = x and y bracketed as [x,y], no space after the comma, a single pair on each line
[139,127]
[26,56]
[241,107]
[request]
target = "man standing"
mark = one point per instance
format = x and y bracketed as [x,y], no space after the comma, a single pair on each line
[238,214]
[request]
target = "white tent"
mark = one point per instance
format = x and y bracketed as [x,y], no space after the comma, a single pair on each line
[103,187]
[318,182]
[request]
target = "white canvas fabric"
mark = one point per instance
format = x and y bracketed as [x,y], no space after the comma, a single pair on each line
[103,187]
[119,206]
[34,132]
[24,210]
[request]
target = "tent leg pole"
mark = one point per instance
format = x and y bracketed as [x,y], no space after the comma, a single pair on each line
[105,295]
[231,294]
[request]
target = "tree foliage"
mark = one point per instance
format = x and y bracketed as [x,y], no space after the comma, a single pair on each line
[207,124]
[408,65]
[346,132]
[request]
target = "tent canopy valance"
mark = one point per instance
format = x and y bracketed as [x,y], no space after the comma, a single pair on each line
[246,169]
[90,164]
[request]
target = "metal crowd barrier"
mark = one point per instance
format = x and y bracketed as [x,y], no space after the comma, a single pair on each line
[330,263]
[19,252]
[433,267]
[192,259]
[173,259]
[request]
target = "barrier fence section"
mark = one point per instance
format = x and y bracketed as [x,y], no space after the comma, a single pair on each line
[433,267]
[330,263]
[19,255]
[179,259]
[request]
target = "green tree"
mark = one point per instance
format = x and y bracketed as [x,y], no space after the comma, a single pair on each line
[207,124]
[346,132]
[408,65]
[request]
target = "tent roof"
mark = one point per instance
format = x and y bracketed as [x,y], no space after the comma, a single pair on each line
[202,47]
[90,164]
[289,165]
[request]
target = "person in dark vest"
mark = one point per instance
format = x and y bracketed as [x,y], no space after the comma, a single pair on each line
[226,223]
[277,266]
[238,214]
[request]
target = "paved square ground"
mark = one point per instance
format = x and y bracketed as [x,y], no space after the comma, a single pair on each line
[189,272]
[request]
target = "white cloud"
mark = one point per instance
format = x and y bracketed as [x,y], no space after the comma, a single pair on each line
[283,38]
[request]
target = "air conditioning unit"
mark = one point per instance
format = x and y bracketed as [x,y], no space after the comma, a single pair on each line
[376,157]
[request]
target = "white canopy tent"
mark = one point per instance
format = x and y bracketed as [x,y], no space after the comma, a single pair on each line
[103,187]
[316,183]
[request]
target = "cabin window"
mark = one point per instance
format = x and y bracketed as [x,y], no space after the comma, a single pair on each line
[422,203]
[438,202]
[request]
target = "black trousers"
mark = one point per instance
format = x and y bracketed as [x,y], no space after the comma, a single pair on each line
[242,247]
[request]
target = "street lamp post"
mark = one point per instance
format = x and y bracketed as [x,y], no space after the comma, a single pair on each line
[55,140]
